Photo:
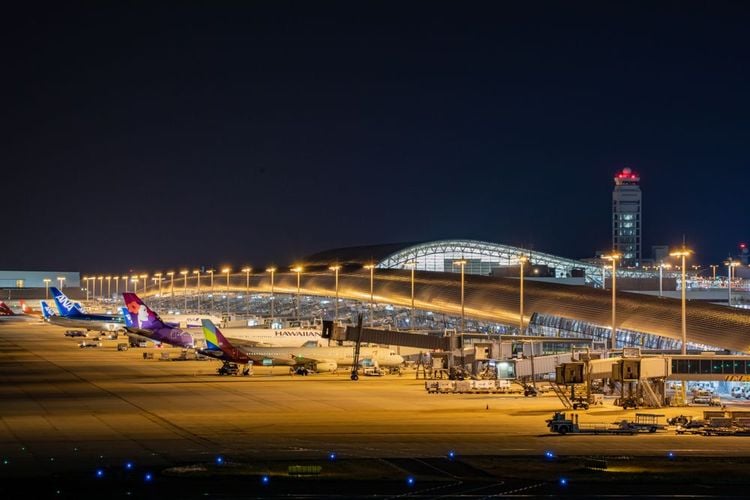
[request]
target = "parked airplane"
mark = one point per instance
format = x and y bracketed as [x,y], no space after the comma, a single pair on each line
[272,337]
[188,320]
[5,310]
[27,310]
[323,359]
[71,316]
[142,321]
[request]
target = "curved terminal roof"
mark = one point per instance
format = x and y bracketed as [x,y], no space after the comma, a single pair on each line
[482,256]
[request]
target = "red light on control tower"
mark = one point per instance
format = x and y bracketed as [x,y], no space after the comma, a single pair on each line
[627,176]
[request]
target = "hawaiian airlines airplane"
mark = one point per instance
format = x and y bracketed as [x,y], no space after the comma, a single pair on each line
[324,359]
[273,337]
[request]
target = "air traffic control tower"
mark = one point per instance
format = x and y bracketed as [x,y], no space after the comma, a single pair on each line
[626,217]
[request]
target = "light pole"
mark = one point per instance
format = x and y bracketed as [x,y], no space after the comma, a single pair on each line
[371,267]
[271,270]
[412,265]
[171,286]
[336,269]
[124,282]
[46,287]
[109,286]
[86,279]
[197,273]
[157,277]
[298,270]
[662,265]
[61,279]
[521,261]
[184,274]
[683,253]
[462,263]
[713,268]
[117,285]
[211,274]
[101,287]
[227,271]
[613,257]
[731,264]
[247,270]
[134,280]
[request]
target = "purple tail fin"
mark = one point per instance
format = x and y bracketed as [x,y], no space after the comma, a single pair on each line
[140,314]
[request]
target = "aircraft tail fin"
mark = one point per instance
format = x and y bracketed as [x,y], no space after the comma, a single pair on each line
[46,310]
[65,306]
[215,340]
[126,316]
[140,314]
[5,310]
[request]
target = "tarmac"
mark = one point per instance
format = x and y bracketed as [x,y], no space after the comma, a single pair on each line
[74,418]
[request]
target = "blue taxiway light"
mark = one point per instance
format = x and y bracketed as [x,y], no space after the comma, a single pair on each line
[128,465]
[549,454]
[563,482]
[332,456]
[265,479]
[148,477]
[451,455]
[99,473]
[410,481]
[670,454]
[219,460]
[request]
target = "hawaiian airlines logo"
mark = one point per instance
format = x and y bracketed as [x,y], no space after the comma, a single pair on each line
[296,333]
[140,314]
[65,302]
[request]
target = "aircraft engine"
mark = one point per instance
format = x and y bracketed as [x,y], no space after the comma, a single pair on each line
[326,366]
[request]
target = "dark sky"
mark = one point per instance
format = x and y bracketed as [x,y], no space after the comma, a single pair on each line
[145,137]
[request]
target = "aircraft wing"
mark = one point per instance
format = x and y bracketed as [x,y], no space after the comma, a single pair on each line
[244,344]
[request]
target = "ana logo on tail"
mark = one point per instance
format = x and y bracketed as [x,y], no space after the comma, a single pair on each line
[66,306]
[46,310]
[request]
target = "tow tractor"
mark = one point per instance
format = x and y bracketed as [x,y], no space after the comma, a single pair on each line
[229,368]
[644,422]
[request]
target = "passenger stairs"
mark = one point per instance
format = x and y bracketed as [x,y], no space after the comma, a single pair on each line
[562,395]
[649,396]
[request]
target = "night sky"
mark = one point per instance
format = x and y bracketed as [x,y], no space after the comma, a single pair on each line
[259,132]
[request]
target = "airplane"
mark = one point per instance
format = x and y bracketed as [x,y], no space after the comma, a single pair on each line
[272,337]
[28,311]
[188,320]
[71,316]
[324,359]
[143,322]
[5,310]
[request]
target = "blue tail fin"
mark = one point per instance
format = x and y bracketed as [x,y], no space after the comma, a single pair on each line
[66,306]
[126,316]
[46,310]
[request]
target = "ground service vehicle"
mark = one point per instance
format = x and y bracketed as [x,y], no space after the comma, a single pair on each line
[644,422]
[563,424]
[89,344]
[75,333]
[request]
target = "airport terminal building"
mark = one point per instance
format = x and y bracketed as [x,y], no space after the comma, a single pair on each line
[39,279]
